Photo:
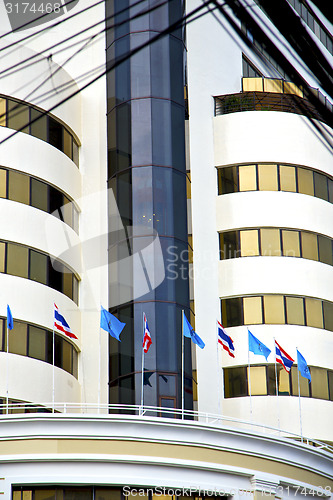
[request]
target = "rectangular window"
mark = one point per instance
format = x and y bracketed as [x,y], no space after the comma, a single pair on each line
[67,349]
[75,153]
[290,243]
[309,245]
[235,384]
[247,178]
[270,242]
[68,143]
[305,181]
[325,250]
[229,247]
[18,116]
[283,381]
[252,307]
[67,211]
[46,494]
[38,267]
[67,287]
[55,134]
[17,260]
[2,340]
[249,243]
[18,339]
[320,186]
[330,190]
[75,290]
[3,118]
[38,126]
[37,343]
[303,383]
[39,195]
[2,256]
[274,309]
[330,384]
[18,187]
[328,315]
[232,312]
[258,381]
[287,178]
[3,183]
[295,311]
[314,312]
[273,85]
[268,179]
[227,180]
[319,383]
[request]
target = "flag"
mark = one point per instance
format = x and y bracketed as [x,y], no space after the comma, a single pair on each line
[257,347]
[111,324]
[225,341]
[10,322]
[190,333]
[302,366]
[147,342]
[283,358]
[61,324]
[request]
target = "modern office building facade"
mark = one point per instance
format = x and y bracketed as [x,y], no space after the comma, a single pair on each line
[98,210]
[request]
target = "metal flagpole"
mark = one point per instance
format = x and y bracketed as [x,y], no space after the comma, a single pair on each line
[182,364]
[276,387]
[53,361]
[142,360]
[219,390]
[99,372]
[7,370]
[249,380]
[299,402]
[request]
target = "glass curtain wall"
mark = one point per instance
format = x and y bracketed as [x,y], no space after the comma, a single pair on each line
[148,248]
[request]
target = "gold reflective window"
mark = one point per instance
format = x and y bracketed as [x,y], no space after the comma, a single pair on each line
[283,381]
[45,494]
[273,85]
[319,383]
[270,242]
[227,180]
[17,260]
[291,88]
[295,311]
[2,256]
[328,315]
[3,183]
[2,340]
[39,195]
[325,250]
[75,153]
[314,312]
[252,84]
[75,290]
[18,339]
[258,380]
[68,283]
[290,243]
[304,385]
[287,178]
[235,384]
[38,267]
[188,185]
[3,121]
[274,309]
[67,211]
[268,178]
[330,383]
[16,495]
[247,178]
[305,181]
[309,245]
[67,356]
[37,343]
[18,116]
[68,143]
[252,308]
[18,187]
[249,243]
[38,126]
[107,494]
[320,186]
[330,190]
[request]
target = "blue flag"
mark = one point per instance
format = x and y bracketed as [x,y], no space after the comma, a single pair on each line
[10,322]
[111,324]
[302,366]
[190,333]
[257,347]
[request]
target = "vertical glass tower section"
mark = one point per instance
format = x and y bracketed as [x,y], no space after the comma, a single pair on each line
[148,247]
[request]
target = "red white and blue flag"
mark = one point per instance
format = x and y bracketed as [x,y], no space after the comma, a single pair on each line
[283,358]
[147,342]
[226,342]
[61,325]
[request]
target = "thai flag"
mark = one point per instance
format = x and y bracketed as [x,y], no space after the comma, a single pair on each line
[61,325]
[147,342]
[283,358]
[225,341]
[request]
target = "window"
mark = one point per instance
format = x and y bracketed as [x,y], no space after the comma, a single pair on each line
[18,116]
[232,312]
[227,180]
[3,183]
[17,340]
[303,383]
[2,256]
[290,243]
[287,178]
[328,315]
[274,309]
[309,245]
[319,383]
[247,178]
[38,124]
[39,194]
[235,383]
[17,260]
[295,311]
[305,181]
[229,246]
[325,250]
[249,243]
[38,267]
[320,186]
[18,187]
[257,378]
[37,343]
[252,307]
[314,312]
[268,178]
[270,242]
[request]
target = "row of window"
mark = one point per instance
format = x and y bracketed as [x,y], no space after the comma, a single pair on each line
[276,242]
[263,382]
[17,406]
[22,188]
[277,309]
[18,115]
[19,260]
[275,85]
[302,10]
[35,342]
[273,177]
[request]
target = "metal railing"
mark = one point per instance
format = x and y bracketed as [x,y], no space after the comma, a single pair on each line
[148,412]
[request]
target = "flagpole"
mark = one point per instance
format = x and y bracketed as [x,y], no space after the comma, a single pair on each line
[183,364]
[142,360]
[249,379]
[299,399]
[7,370]
[53,362]
[276,387]
[219,389]
[99,372]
